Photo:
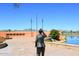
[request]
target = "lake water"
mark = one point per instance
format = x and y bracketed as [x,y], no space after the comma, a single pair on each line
[72,40]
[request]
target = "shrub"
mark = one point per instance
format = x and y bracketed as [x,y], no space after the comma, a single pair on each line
[54,34]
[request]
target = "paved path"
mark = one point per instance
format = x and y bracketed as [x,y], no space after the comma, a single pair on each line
[20,47]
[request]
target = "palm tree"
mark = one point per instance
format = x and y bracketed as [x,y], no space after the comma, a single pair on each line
[16,5]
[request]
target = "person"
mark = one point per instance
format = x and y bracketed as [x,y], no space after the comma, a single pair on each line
[39,43]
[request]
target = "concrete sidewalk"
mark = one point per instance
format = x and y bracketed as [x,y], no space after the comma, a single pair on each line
[20,47]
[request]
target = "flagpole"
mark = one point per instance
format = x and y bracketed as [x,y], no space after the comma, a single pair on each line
[42,23]
[36,25]
[31,27]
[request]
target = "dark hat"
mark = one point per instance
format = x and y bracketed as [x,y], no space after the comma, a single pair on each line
[40,30]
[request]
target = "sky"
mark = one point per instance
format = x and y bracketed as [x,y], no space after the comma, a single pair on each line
[60,16]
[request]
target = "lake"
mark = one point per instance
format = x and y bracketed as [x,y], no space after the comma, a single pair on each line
[72,40]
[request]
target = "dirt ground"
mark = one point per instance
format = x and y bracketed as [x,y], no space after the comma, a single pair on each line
[26,47]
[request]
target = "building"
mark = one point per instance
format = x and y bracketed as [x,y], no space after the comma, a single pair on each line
[19,34]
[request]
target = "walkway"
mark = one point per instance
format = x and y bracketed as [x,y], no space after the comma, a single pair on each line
[20,47]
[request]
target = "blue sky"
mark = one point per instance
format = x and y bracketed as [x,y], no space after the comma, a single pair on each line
[55,15]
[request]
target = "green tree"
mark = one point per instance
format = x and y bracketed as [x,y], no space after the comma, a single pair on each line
[54,34]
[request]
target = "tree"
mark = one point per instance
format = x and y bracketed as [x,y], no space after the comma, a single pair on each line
[16,5]
[71,32]
[9,30]
[54,34]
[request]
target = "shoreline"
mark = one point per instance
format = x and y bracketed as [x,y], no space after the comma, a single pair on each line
[62,43]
